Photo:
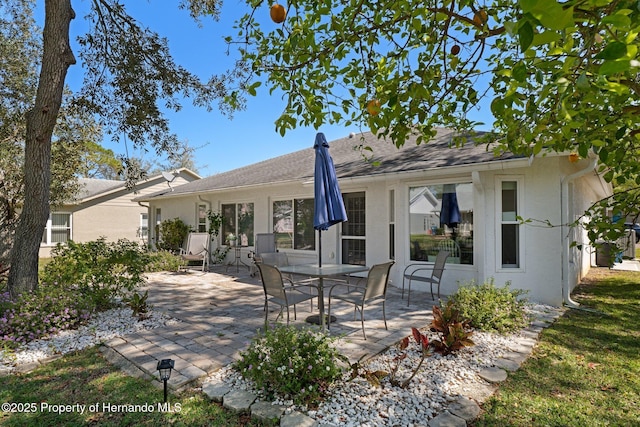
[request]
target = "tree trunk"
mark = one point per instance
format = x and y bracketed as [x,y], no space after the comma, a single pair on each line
[56,59]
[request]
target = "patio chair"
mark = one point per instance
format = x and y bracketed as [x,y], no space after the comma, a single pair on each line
[275,291]
[197,250]
[416,272]
[264,243]
[280,259]
[373,291]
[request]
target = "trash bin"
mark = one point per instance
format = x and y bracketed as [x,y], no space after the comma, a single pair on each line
[603,255]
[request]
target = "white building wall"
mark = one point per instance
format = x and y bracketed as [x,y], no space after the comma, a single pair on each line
[540,271]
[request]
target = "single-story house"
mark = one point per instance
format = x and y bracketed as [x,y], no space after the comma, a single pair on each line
[395,201]
[105,208]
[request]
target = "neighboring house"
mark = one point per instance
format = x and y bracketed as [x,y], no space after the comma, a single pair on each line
[105,208]
[394,203]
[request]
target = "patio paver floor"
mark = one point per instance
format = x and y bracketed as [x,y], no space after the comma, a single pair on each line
[221,312]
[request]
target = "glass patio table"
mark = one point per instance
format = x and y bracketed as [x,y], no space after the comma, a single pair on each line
[321,273]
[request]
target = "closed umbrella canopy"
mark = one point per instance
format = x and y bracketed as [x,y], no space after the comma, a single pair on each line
[329,206]
[450,211]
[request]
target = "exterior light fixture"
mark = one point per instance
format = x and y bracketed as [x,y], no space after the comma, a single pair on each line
[164,368]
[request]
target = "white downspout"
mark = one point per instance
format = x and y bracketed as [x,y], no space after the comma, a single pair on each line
[208,202]
[564,235]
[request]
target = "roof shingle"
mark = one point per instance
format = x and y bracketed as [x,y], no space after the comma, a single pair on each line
[349,160]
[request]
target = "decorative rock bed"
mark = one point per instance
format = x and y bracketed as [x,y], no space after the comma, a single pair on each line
[446,391]
[103,326]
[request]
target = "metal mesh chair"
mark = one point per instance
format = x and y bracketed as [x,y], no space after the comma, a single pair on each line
[416,272]
[264,243]
[375,290]
[276,292]
[280,259]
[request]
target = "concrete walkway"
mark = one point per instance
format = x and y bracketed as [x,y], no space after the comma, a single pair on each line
[627,265]
[221,312]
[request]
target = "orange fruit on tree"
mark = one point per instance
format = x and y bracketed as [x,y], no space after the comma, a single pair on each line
[277,13]
[480,17]
[373,107]
[574,157]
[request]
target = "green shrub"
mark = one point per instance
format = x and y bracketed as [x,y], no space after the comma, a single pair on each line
[298,364]
[489,308]
[162,261]
[173,233]
[36,314]
[98,270]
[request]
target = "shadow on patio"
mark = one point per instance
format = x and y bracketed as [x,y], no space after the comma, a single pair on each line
[221,312]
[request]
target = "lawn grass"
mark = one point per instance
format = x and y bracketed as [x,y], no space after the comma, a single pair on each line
[585,370]
[86,378]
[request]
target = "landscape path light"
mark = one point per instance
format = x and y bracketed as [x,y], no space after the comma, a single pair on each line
[164,367]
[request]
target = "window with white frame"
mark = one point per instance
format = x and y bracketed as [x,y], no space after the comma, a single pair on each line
[237,220]
[509,224]
[202,218]
[158,221]
[58,229]
[143,230]
[441,218]
[353,230]
[293,224]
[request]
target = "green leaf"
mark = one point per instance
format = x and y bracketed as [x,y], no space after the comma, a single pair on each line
[619,21]
[525,36]
[614,67]
[545,38]
[550,13]
[613,50]
[620,133]
[558,19]
[583,150]
[583,82]
[497,106]
[520,72]
[603,155]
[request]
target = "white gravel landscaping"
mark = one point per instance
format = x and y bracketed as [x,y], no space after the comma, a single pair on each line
[101,327]
[439,382]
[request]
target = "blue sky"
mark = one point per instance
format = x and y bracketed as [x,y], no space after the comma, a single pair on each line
[222,144]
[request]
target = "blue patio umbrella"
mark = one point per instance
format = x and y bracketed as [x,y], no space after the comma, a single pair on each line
[329,206]
[450,211]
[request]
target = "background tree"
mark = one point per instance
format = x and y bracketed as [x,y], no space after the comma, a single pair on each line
[19,50]
[557,76]
[18,64]
[100,162]
[129,71]
[182,157]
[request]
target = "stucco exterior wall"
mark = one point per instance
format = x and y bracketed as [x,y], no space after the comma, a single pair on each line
[540,244]
[541,235]
[113,216]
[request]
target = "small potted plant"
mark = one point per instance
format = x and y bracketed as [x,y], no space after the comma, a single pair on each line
[231,239]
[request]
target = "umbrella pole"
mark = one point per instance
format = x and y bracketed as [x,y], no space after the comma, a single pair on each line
[319,248]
